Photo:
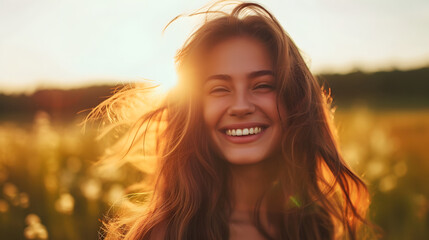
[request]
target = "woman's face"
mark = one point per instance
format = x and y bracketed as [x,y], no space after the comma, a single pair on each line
[239,101]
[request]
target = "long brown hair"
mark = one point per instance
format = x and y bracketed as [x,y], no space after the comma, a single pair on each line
[315,196]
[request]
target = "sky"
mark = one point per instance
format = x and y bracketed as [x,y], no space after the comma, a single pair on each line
[70,43]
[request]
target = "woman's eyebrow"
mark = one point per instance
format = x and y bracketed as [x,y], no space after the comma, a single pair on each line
[260,73]
[219,77]
[250,75]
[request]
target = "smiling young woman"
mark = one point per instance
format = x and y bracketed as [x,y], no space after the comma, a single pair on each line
[245,145]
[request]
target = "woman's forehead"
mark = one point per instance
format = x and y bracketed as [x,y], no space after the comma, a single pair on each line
[238,55]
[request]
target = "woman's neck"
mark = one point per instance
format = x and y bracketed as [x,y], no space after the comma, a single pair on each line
[249,183]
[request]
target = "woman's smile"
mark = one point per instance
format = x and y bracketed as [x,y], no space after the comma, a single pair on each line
[243,133]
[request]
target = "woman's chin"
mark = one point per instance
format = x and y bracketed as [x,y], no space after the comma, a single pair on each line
[244,160]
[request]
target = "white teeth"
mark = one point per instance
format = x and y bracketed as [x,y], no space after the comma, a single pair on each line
[243,132]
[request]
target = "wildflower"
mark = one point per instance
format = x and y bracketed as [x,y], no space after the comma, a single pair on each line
[65,203]
[35,229]
[4,206]
[91,189]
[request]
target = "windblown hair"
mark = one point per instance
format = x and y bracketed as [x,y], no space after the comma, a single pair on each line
[315,195]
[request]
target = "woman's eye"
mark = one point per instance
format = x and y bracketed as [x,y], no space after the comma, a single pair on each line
[264,86]
[218,90]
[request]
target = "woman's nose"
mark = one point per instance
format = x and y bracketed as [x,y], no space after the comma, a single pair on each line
[241,105]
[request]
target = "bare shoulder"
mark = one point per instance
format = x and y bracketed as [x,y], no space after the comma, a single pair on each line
[158,233]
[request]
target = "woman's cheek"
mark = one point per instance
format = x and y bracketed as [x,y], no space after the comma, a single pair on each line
[267,102]
[214,108]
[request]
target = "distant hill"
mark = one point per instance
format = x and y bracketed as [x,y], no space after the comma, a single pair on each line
[388,89]
[61,104]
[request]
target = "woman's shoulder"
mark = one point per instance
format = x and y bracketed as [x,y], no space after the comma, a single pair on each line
[158,232]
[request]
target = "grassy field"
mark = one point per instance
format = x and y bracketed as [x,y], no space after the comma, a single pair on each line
[390,150]
[49,190]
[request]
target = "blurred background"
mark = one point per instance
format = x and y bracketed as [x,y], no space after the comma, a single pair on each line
[59,58]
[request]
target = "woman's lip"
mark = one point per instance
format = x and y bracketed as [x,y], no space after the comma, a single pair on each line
[244,139]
